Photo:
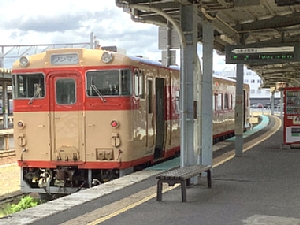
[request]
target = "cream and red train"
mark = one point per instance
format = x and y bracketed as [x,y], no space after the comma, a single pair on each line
[84,116]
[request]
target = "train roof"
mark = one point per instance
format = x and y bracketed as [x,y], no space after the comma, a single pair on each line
[94,55]
[152,62]
[42,59]
[224,78]
[228,79]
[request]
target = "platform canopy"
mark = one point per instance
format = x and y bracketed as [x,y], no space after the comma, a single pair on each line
[236,22]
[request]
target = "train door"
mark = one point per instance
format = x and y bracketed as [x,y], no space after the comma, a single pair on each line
[160,118]
[149,116]
[66,116]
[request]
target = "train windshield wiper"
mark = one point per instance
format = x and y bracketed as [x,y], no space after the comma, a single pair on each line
[36,94]
[94,87]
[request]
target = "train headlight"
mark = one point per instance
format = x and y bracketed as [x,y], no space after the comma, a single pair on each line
[24,61]
[114,123]
[106,57]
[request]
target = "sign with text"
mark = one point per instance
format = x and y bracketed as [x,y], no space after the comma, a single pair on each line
[258,54]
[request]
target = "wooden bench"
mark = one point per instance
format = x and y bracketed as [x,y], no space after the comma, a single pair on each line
[181,175]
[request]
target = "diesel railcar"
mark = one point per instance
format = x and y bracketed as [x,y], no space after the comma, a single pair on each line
[85,116]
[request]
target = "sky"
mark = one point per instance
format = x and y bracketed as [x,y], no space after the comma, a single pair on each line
[35,22]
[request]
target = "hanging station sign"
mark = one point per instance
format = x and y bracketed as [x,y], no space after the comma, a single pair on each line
[257,54]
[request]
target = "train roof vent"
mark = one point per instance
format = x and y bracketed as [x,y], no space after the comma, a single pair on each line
[114,48]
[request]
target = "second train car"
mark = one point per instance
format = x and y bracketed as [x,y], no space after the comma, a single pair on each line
[85,116]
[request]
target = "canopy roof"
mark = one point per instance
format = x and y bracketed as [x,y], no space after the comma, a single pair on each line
[256,22]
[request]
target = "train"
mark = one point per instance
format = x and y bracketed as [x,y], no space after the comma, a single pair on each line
[86,116]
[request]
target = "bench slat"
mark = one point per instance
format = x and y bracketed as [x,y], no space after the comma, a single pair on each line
[184,172]
[181,175]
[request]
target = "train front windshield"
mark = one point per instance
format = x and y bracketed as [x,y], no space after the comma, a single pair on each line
[108,82]
[29,85]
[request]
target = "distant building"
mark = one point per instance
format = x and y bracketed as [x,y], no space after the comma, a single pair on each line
[257,94]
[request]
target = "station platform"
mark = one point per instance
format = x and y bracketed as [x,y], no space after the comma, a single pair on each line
[261,187]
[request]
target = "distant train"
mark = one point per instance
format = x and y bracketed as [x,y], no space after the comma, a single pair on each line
[85,116]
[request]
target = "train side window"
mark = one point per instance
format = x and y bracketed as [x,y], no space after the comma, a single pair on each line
[136,83]
[29,86]
[177,97]
[214,108]
[139,84]
[219,101]
[226,103]
[150,95]
[65,91]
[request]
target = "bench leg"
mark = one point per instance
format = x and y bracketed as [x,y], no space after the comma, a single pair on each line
[188,182]
[159,191]
[209,178]
[183,190]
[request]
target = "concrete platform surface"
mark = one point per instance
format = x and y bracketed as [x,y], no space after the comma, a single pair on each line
[261,187]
